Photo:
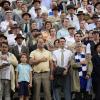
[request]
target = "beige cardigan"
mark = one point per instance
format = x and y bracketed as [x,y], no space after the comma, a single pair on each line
[13,63]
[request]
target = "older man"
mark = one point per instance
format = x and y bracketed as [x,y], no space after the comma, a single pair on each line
[41,60]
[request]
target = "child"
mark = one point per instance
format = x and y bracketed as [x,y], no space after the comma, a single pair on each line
[23,77]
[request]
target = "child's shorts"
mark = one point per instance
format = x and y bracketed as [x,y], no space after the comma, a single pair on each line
[23,88]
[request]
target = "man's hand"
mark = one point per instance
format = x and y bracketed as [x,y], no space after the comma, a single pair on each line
[51,77]
[43,59]
[65,72]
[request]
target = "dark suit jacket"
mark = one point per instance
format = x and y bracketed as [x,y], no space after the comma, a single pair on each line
[96,66]
[96,72]
[15,51]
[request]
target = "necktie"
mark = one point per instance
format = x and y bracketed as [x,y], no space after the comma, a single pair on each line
[62,58]
[26,28]
[71,17]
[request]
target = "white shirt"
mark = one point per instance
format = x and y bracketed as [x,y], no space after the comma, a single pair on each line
[19,48]
[92,26]
[69,40]
[57,57]
[33,14]
[46,3]
[5,72]
[11,39]
[74,22]
[4,26]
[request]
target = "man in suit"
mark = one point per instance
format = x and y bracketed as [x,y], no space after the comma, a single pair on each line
[19,48]
[25,24]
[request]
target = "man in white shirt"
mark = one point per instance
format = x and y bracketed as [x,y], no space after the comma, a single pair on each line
[62,59]
[95,18]
[70,38]
[7,59]
[37,4]
[6,25]
[72,17]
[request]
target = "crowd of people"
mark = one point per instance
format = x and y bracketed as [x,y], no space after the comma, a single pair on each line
[53,44]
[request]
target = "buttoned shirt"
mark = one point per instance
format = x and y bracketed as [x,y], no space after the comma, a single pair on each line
[57,57]
[43,66]
[74,22]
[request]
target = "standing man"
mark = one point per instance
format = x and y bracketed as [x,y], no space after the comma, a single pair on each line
[7,79]
[62,59]
[41,60]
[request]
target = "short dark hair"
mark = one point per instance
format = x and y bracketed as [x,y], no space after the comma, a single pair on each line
[63,38]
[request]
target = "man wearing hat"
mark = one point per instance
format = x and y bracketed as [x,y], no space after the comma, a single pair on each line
[8,22]
[55,18]
[26,23]
[70,38]
[19,48]
[80,15]
[72,17]
[37,4]
[15,29]
[4,6]
[94,18]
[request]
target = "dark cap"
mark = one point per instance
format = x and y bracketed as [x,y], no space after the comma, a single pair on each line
[26,14]
[80,13]
[2,35]
[71,6]
[19,36]
[3,2]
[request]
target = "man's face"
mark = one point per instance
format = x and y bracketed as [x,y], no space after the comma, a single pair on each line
[40,43]
[4,48]
[37,5]
[9,16]
[66,23]
[62,42]
[26,17]
[72,31]
[19,41]
[71,11]
[77,37]
[6,5]
[19,3]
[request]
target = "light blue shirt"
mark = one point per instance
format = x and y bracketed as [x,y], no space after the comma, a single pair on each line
[23,72]
[62,33]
